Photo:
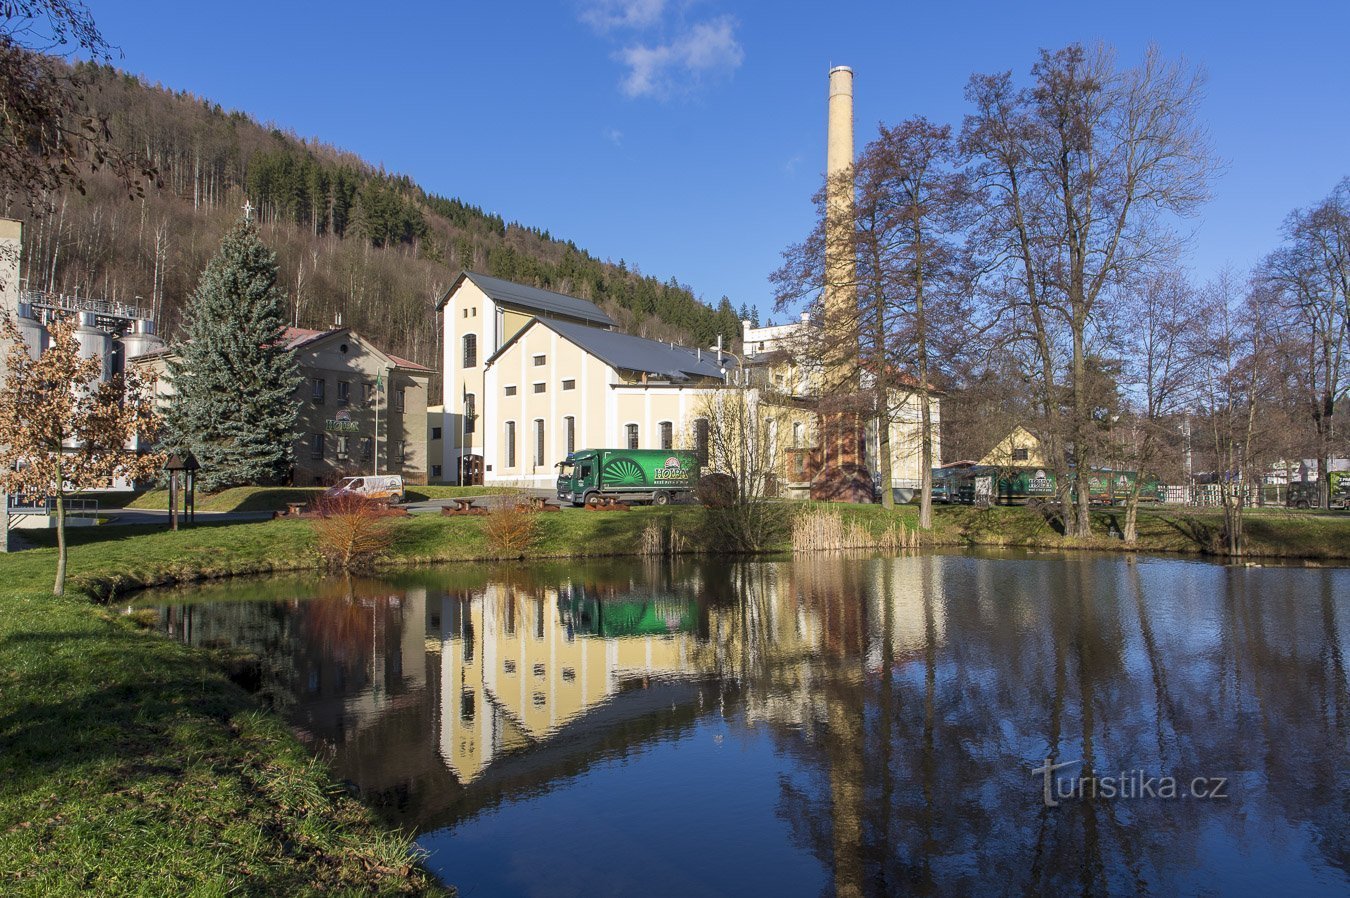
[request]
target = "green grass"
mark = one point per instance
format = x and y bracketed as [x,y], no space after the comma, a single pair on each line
[239,498]
[275,498]
[132,766]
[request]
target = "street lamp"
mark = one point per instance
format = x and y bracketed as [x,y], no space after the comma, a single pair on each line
[188,466]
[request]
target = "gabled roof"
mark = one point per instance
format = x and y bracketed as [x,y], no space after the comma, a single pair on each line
[301,337]
[629,353]
[531,299]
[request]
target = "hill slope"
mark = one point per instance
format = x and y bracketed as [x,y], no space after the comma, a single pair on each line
[351,239]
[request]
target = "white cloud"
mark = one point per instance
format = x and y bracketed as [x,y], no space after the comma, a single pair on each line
[607,15]
[614,136]
[704,51]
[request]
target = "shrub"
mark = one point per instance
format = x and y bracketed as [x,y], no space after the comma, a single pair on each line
[512,529]
[352,531]
[716,490]
[826,531]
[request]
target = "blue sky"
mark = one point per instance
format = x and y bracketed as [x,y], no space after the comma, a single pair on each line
[687,137]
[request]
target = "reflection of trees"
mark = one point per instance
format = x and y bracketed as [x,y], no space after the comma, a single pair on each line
[915,693]
[923,782]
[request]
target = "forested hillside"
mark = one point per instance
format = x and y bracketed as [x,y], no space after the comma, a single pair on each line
[351,239]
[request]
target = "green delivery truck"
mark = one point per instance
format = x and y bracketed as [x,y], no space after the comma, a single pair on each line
[633,475]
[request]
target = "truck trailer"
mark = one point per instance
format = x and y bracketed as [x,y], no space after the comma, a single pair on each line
[659,476]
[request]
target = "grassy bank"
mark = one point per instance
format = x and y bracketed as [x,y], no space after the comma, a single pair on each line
[132,766]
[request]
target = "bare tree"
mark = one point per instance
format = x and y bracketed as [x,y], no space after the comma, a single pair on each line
[743,448]
[47,139]
[1231,351]
[897,215]
[1158,374]
[1310,278]
[1081,170]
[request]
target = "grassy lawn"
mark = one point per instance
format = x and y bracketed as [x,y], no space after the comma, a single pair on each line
[275,498]
[132,766]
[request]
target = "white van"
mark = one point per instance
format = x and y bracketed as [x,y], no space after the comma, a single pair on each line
[372,486]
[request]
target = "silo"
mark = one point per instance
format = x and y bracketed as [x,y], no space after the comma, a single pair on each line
[95,343]
[140,340]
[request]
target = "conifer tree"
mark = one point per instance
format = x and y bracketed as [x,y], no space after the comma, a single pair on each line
[234,380]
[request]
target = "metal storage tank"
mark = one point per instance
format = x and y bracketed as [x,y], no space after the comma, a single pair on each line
[95,343]
[140,340]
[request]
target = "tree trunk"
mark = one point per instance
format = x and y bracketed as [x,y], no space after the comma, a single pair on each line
[884,452]
[60,588]
[1131,531]
[925,460]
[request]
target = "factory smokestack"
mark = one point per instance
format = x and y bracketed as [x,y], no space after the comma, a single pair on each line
[840,297]
[839,151]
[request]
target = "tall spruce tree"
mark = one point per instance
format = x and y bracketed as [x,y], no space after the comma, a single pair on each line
[234,404]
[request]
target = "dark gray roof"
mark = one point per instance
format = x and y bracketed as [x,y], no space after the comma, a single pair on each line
[533,299]
[637,353]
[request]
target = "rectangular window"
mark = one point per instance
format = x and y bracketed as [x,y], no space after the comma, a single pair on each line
[570,428]
[344,392]
[342,447]
[435,433]
[538,443]
[701,440]
[436,471]
[367,393]
[1021,454]
[399,399]
[316,386]
[667,435]
[509,391]
[539,388]
[469,416]
[316,445]
[632,436]
[510,444]
[538,361]
[402,451]
[367,448]
[569,384]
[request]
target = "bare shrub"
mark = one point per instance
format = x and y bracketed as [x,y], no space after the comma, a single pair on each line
[826,531]
[716,490]
[352,531]
[661,539]
[512,529]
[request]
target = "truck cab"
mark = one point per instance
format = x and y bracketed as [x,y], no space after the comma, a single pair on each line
[577,474]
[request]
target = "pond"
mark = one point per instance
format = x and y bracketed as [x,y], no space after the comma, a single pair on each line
[947,724]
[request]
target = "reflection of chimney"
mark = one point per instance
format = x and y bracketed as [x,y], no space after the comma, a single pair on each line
[839,295]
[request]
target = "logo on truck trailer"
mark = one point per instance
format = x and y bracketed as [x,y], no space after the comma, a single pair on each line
[672,470]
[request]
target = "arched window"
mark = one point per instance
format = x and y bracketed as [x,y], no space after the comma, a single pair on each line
[538,442]
[667,435]
[632,436]
[470,350]
[510,444]
[570,429]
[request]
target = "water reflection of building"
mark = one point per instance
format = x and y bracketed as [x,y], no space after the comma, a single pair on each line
[518,665]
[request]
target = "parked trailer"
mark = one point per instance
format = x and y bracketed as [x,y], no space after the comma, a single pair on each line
[658,476]
[983,484]
[1304,494]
